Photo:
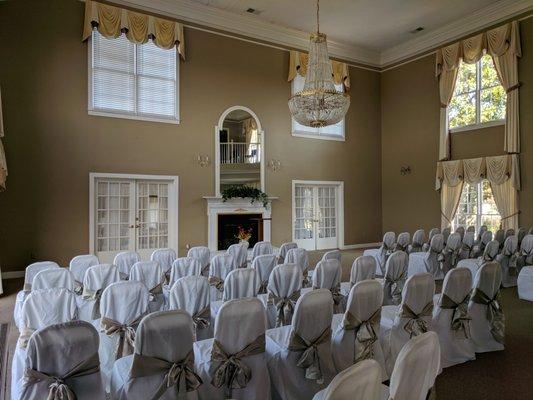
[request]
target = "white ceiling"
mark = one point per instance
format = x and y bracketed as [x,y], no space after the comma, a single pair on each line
[373,24]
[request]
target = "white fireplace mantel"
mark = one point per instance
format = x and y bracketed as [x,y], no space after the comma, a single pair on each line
[216,205]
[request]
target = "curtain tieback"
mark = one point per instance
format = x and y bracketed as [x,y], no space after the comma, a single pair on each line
[512,88]
[511,216]
[442,105]
[58,388]
[202,318]
[395,287]
[416,324]
[216,282]
[365,335]
[180,374]
[284,307]
[93,295]
[460,322]
[494,313]
[309,359]
[126,332]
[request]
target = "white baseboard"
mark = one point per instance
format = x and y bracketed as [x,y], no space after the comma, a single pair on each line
[12,274]
[360,246]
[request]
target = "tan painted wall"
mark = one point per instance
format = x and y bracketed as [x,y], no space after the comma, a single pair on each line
[52,144]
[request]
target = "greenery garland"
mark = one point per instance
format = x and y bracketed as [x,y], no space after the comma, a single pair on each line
[245,191]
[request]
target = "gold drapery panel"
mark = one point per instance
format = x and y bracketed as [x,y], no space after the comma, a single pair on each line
[298,65]
[503,44]
[112,21]
[3,163]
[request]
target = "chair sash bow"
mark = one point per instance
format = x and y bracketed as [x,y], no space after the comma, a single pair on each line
[58,388]
[396,286]
[202,318]
[416,324]
[284,307]
[494,313]
[216,282]
[180,374]
[126,334]
[157,289]
[263,287]
[78,287]
[460,323]
[93,295]
[309,358]
[365,334]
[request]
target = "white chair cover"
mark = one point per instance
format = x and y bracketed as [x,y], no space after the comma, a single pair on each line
[78,266]
[468,245]
[432,232]
[522,232]
[191,293]
[97,278]
[451,252]
[67,352]
[381,254]
[411,318]
[203,254]
[263,265]
[416,369]
[489,254]
[471,228]
[461,231]
[31,271]
[429,261]
[479,247]
[221,266]
[165,258]
[333,254]
[151,274]
[480,234]
[299,257]
[508,261]
[402,243]
[163,349]
[419,237]
[488,322]
[451,320]
[363,268]
[327,275]
[239,328]
[525,283]
[499,236]
[306,342]
[359,382]
[283,291]
[509,232]
[184,266]
[395,277]
[41,308]
[53,278]
[240,283]
[239,251]
[356,332]
[285,247]
[262,248]
[124,261]
[126,303]
[446,234]
[526,252]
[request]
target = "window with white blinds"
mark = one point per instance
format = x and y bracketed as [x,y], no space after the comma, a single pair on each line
[132,80]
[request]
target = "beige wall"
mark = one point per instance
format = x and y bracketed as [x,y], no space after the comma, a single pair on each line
[52,144]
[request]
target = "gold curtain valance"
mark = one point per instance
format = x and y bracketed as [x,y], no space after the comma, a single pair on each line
[496,169]
[496,42]
[298,65]
[112,21]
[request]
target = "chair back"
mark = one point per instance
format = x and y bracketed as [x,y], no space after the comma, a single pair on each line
[100,276]
[432,256]
[80,264]
[332,254]
[446,233]
[285,247]
[284,280]
[241,283]
[313,314]
[165,258]
[239,251]
[33,269]
[419,237]
[299,257]
[491,251]
[184,266]
[124,261]
[499,236]
[148,272]
[46,307]
[402,243]
[190,293]
[53,278]
[222,265]
[327,274]
[263,265]
[262,248]
[202,253]
[363,267]
[461,231]
[395,276]
[124,301]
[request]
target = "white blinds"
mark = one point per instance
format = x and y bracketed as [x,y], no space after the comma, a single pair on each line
[133,79]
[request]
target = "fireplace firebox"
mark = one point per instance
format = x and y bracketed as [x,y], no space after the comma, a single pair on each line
[229,226]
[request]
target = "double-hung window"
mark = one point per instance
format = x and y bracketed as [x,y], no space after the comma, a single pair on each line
[479,99]
[128,80]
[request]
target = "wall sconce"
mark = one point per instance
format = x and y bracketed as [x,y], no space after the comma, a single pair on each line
[274,164]
[203,160]
[405,170]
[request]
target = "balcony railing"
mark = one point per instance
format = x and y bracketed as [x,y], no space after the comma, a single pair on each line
[240,153]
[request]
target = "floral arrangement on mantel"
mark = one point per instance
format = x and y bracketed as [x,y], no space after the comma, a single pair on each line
[243,234]
[245,192]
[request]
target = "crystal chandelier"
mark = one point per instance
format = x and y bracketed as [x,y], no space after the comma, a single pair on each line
[319,103]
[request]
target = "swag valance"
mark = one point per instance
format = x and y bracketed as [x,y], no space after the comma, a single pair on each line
[298,65]
[112,21]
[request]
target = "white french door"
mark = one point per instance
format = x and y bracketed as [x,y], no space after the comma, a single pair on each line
[316,212]
[132,214]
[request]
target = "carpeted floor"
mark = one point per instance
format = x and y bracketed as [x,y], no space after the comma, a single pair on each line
[505,375]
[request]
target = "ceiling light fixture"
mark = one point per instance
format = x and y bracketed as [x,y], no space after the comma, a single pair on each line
[319,103]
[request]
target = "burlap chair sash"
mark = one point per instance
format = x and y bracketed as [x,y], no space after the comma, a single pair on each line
[309,360]
[93,295]
[157,289]
[216,282]
[494,313]
[202,318]
[460,323]
[78,287]
[395,287]
[284,307]
[365,334]
[416,325]
[263,287]
[126,332]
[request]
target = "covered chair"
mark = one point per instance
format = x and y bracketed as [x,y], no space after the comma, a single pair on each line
[263,265]
[299,355]
[525,256]
[446,232]
[451,252]
[402,243]
[78,266]
[203,254]
[509,232]
[381,254]
[480,234]
[333,254]
[415,370]
[471,228]
[488,322]
[165,258]
[151,274]
[525,283]
[299,257]
[451,320]
[467,246]
[122,307]
[41,308]
[262,248]
[419,237]
[191,293]
[221,266]
[124,261]
[283,291]
[356,332]
[239,252]
[327,275]
[479,246]
[181,267]
[499,236]
[395,277]
[233,363]
[429,261]
[521,234]
[283,250]
[432,232]
[97,278]
[411,318]
[65,355]
[461,231]
[361,381]
[53,278]
[162,365]
[363,268]
[508,261]
[489,254]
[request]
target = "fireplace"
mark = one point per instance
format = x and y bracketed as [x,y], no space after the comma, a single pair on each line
[230,224]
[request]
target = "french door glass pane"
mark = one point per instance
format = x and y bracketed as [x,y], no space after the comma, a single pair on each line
[112,230]
[326,212]
[303,224]
[152,202]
